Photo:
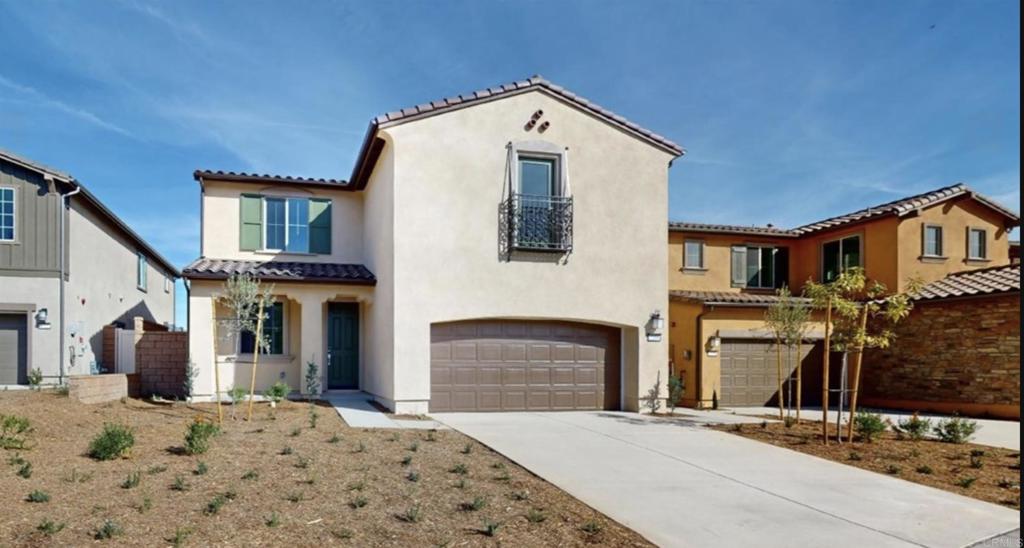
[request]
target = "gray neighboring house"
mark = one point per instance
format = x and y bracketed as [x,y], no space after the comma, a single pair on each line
[110,274]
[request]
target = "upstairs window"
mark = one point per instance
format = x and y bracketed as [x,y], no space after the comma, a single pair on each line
[977,244]
[537,176]
[932,241]
[285,225]
[839,256]
[693,255]
[141,268]
[759,266]
[6,214]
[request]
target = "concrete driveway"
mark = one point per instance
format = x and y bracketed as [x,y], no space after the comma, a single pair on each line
[679,484]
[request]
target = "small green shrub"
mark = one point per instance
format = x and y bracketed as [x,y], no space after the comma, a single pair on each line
[413,476]
[314,416]
[295,496]
[273,520]
[14,432]
[966,482]
[49,527]
[334,439]
[251,475]
[296,432]
[201,469]
[156,469]
[977,452]
[955,430]
[115,441]
[869,426]
[35,378]
[107,530]
[1007,483]
[145,506]
[520,495]
[467,449]
[431,436]
[357,485]
[278,392]
[976,462]
[490,528]
[198,434]
[789,422]
[474,505]
[287,450]
[132,481]
[854,456]
[406,460]
[215,504]
[414,447]
[359,502]
[303,462]
[38,496]
[179,537]
[25,470]
[892,470]
[924,469]
[503,476]
[460,469]
[535,516]
[411,514]
[591,527]
[179,484]
[914,427]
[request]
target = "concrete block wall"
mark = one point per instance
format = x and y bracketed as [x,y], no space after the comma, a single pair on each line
[97,388]
[160,360]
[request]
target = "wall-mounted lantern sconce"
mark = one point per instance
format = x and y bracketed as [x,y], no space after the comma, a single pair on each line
[654,326]
[42,319]
[713,345]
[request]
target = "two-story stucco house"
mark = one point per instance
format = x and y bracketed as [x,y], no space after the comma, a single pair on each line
[501,250]
[722,279]
[68,267]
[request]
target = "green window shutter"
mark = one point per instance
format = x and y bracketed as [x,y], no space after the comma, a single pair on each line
[739,266]
[250,228]
[319,226]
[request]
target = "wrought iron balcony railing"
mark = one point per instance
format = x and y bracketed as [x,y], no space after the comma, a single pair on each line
[539,223]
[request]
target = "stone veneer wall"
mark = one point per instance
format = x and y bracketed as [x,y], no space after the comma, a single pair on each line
[955,355]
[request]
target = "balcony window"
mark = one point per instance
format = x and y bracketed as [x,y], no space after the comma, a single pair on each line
[540,217]
[839,256]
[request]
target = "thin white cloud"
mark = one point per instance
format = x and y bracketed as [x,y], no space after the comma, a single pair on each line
[42,99]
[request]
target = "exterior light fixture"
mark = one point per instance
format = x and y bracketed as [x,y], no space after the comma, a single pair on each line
[657,322]
[713,345]
[42,318]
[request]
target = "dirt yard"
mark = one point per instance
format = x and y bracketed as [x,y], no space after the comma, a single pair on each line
[987,473]
[271,482]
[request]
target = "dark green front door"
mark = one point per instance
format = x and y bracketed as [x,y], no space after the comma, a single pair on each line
[342,345]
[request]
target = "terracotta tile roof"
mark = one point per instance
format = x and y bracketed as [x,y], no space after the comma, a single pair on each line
[241,176]
[534,82]
[904,206]
[683,226]
[282,271]
[986,281]
[725,297]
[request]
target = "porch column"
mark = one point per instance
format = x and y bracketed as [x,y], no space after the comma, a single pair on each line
[312,343]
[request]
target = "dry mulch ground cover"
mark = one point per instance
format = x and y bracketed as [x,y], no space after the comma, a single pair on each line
[274,481]
[951,467]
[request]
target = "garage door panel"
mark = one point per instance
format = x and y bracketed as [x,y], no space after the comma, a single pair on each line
[749,375]
[493,365]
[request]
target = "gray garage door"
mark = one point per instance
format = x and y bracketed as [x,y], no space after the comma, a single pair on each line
[750,372]
[13,349]
[517,365]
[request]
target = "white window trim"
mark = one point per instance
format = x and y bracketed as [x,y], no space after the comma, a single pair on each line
[821,252]
[703,261]
[284,199]
[941,241]
[14,215]
[167,284]
[984,244]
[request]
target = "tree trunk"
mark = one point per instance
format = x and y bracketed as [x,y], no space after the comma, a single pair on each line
[824,372]
[858,358]
[799,380]
[216,369]
[842,398]
[778,366]
[255,359]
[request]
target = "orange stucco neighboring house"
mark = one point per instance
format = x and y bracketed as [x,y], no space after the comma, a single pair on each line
[722,279]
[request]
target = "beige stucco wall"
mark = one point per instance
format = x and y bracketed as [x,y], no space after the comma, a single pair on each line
[305,340]
[955,216]
[220,237]
[102,287]
[717,273]
[38,292]
[449,172]
[379,231]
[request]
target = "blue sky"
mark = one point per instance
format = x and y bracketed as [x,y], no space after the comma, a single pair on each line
[790,111]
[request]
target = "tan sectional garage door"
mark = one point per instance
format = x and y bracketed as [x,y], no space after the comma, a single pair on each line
[518,365]
[750,372]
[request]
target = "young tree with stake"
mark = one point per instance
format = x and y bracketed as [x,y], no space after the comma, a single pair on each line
[244,298]
[788,319]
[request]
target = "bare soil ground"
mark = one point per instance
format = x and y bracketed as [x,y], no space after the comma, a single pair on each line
[951,467]
[280,482]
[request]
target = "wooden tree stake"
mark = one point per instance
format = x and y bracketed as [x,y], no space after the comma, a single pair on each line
[857,359]
[799,374]
[778,364]
[824,372]
[216,368]
[255,359]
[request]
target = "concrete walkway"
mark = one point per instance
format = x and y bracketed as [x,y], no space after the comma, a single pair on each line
[680,484]
[357,412]
[997,433]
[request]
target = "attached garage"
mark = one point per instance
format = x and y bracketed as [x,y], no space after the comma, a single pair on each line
[13,349]
[523,365]
[749,372]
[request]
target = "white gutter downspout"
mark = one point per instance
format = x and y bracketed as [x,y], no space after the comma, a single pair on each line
[63,228]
